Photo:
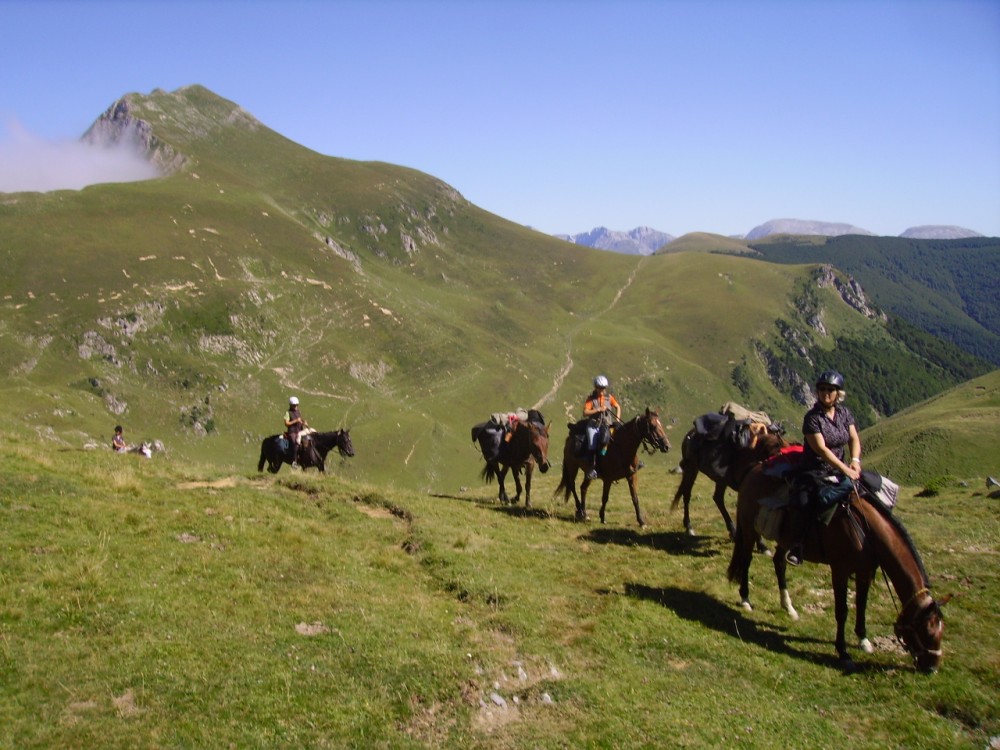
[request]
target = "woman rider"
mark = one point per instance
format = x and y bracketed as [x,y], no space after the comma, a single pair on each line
[832,447]
[294,423]
[597,410]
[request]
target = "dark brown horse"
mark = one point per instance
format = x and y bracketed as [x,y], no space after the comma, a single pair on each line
[859,539]
[276,450]
[620,462]
[527,447]
[715,459]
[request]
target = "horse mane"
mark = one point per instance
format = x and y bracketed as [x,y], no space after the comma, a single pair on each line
[897,525]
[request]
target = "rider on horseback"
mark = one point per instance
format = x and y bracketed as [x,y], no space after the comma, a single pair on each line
[602,410]
[827,429]
[294,424]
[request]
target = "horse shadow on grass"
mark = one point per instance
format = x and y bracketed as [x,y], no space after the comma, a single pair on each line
[671,542]
[491,503]
[697,606]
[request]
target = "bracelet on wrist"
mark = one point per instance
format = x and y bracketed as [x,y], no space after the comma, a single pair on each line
[855,460]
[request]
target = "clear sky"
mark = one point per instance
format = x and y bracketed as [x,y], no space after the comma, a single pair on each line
[682,116]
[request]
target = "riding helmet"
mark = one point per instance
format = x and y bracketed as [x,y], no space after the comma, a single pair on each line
[294,401]
[600,382]
[831,377]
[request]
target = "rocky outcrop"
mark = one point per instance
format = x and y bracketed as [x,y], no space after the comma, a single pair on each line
[120,127]
[784,377]
[850,291]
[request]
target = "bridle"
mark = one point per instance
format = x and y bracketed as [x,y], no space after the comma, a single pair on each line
[651,441]
[920,613]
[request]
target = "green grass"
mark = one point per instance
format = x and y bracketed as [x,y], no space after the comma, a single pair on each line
[167,604]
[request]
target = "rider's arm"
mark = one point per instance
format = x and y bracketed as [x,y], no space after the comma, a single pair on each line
[854,446]
[818,445]
[590,407]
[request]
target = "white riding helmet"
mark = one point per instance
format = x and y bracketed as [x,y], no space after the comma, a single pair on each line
[294,401]
[600,382]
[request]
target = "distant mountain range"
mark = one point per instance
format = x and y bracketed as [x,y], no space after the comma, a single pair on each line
[646,241]
[640,241]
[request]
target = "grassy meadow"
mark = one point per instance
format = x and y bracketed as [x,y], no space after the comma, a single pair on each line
[162,603]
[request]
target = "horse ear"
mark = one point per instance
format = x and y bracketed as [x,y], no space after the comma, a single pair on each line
[945,599]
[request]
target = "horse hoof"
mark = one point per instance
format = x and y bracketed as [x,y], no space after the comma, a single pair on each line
[690,532]
[866,646]
[847,664]
[746,605]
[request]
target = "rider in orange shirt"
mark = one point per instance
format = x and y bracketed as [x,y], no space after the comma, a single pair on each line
[602,410]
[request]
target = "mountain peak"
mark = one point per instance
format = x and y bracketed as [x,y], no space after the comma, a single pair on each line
[800,226]
[939,232]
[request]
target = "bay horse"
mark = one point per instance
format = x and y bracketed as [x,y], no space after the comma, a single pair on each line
[620,462]
[312,451]
[860,538]
[528,446]
[715,459]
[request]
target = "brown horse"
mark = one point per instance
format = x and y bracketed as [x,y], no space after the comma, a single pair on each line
[528,446]
[620,462]
[858,540]
[715,459]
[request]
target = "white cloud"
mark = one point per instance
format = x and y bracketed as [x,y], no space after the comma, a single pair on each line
[30,163]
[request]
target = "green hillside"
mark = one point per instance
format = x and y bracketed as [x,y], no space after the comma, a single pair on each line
[944,287]
[945,437]
[188,308]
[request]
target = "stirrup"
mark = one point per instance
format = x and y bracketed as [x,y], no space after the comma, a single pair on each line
[793,557]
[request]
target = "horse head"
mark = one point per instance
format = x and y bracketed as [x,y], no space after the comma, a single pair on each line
[920,627]
[538,443]
[344,444]
[654,433]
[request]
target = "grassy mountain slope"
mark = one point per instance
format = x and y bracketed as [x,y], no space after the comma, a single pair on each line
[189,307]
[169,604]
[946,436]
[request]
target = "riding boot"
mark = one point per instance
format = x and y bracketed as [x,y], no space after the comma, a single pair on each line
[295,454]
[592,474]
[801,518]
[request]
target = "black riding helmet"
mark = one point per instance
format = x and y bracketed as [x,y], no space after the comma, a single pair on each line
[831,377]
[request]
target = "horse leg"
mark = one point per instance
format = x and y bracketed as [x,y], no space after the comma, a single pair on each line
[739,566]
[780,570]
[863,583]
[690,474]
[516,471]
[719,496]
[840,580]
[633,488]
[605,493]
[501,477]
[581,506]
[528,471]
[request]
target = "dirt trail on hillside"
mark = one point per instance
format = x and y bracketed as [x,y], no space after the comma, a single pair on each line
[568,366]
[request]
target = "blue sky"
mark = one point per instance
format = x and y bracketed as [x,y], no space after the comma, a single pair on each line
[683,116]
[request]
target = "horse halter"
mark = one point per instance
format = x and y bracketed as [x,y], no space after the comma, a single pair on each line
[909,628]
[652,441]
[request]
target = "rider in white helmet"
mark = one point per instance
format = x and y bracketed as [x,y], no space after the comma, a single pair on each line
[294,423]
[602,410]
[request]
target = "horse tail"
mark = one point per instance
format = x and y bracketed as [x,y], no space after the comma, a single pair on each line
[260,464]
[566,482]
[489,472]
[740,560]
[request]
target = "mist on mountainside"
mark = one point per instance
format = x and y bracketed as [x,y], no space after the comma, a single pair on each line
[29,163]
